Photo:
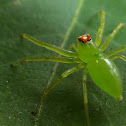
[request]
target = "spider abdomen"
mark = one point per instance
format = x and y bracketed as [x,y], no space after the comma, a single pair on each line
[104,72]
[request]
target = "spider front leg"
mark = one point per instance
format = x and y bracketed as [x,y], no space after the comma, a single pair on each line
[85,96]
[65,74]
[111,36]
[53,59]
[101,29]
[50,46]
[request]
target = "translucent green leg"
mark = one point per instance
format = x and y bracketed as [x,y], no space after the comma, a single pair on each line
[50,47]
[119,56]
[101,29]
[54,59]
[111,36]
[65,74]
[85,96]
[115,51]
[73,46]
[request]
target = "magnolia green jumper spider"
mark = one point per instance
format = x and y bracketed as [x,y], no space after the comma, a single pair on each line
[91,57]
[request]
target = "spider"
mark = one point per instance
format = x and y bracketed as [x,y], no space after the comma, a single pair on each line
[90,56]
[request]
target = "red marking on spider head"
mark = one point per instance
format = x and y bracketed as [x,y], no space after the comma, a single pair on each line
[84,38]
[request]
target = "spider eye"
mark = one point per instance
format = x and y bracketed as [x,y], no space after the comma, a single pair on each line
[84,38]
[83,42]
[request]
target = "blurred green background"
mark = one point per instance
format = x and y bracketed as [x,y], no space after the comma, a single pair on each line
[21,87]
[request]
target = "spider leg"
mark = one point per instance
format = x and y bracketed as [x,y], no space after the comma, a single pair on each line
[118,56]
[53,59]
[50,46]
[115,51]
[101,29]
[111,36]
[63,75]
[73,46]
[85,96]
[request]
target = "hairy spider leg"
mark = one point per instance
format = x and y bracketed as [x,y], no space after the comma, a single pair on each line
[50,47]
[63,75]
[110,37]
[101,29]
[53,59]
[85,96]
[115,51]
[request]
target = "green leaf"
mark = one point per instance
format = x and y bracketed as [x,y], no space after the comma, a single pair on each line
[55,22]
